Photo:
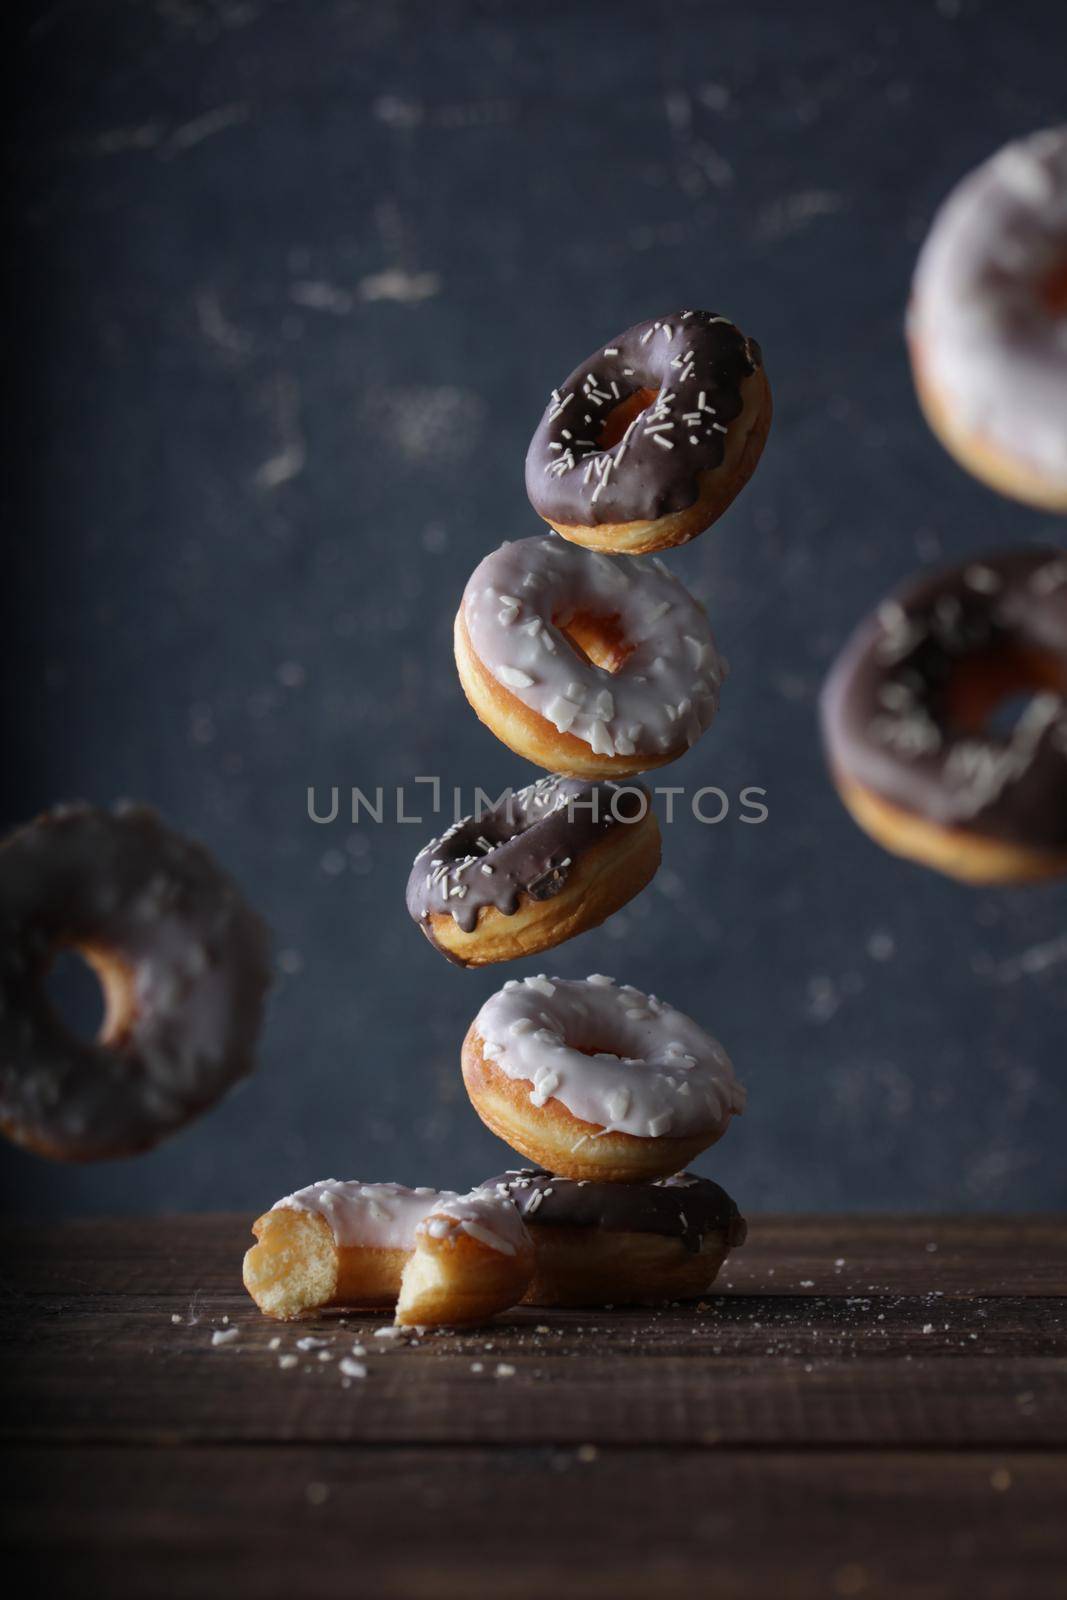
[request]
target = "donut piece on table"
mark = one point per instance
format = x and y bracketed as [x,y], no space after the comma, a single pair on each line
[589,665]
[907,709]
[987,323]
[591,1080]
[650,440]
[439,1258]
[543,864]
[622,1243]
[335,1244]
[183,962]
[472,1258]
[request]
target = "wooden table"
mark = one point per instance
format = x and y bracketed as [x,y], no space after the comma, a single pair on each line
[870,1407]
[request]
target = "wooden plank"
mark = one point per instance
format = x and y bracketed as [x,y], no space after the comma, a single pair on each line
[510,1524]
[743,1370]
[766,1441]
[109,1328]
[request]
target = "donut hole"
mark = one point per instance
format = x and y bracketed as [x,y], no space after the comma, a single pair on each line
[598,640]
[620,1042]
[1006,715]
[992,693]
[620,417]
[1054,290]
[76,994]
[91,991]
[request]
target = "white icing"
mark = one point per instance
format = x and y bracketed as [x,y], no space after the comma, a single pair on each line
[978,318]
[379,1216]
[655,1072]
[667,689]
[485,1215]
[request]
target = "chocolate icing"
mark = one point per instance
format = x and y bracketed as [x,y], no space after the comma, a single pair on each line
[529,840]
[697,362]
[683,1207]
[121,883]
[887,706]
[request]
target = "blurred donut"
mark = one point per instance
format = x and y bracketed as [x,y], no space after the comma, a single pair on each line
[906,717]
[987,324]
[183,962]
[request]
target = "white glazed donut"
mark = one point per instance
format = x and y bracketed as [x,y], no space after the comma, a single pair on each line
[440,1258]
[987,324]
[594,1081]
[592,665]
[335,1243]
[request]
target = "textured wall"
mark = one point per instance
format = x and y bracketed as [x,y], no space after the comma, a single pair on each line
[290,285]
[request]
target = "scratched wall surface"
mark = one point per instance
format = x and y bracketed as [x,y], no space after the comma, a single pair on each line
[290,284]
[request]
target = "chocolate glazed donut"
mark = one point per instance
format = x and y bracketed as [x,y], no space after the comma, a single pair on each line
[619,1243]
[183,962]
[651,438]
[543,864]
[906,719]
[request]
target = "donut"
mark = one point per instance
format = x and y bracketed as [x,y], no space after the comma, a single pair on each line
[541,865]
[182,960]
[440,1258]
[647,443]
[335,1244]
[472,1258]
[594,1081]
[906,719]
[589,665]
[620,1244]
[987,322]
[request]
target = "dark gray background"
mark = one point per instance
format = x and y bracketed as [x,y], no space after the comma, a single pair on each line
[289,284]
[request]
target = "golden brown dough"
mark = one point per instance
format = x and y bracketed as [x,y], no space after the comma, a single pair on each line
[969,857]
[473,1257]
[298,1266]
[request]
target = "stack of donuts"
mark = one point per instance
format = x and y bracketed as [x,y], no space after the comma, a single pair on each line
[912,710]
[586,656]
